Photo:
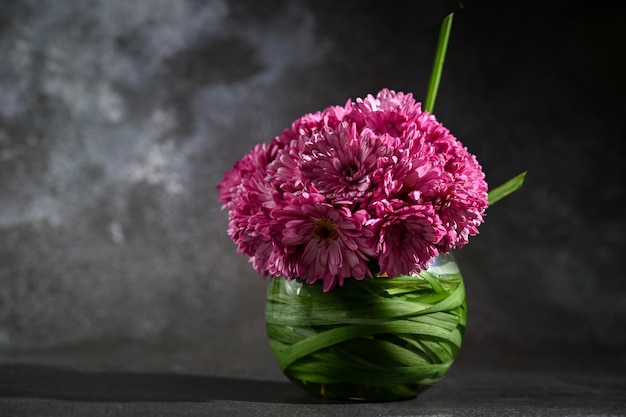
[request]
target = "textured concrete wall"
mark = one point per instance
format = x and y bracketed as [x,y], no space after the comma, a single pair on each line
[118,119]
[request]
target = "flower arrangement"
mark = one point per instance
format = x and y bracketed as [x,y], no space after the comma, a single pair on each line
[376,187]
[370,197]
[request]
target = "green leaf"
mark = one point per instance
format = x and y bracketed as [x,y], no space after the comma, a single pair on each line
[324,372]
[440,57]
[507,188]
[339,334]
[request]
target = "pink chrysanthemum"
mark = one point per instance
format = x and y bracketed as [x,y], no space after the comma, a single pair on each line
[284,170]
[312,123]
[253,163]
[461,212]
[322,242]
[389,113]
[342,165]
[406,237]
[412,175]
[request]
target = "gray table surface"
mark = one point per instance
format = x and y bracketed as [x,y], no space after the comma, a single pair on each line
[41,390]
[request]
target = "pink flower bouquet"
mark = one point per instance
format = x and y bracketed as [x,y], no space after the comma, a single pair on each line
[375,187]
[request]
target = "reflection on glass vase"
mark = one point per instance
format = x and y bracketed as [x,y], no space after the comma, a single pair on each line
[372,340]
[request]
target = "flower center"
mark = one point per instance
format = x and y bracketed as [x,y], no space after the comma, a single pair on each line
[350,171]
[325,230]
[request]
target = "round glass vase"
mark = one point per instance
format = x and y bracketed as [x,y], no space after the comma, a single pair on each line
[377,339]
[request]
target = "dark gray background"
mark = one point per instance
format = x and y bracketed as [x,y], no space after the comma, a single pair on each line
[118,119]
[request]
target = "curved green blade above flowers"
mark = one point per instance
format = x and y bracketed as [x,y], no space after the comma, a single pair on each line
[440,56]
[507,188]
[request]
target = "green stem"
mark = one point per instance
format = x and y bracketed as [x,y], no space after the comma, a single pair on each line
[440,57]
[507,188]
